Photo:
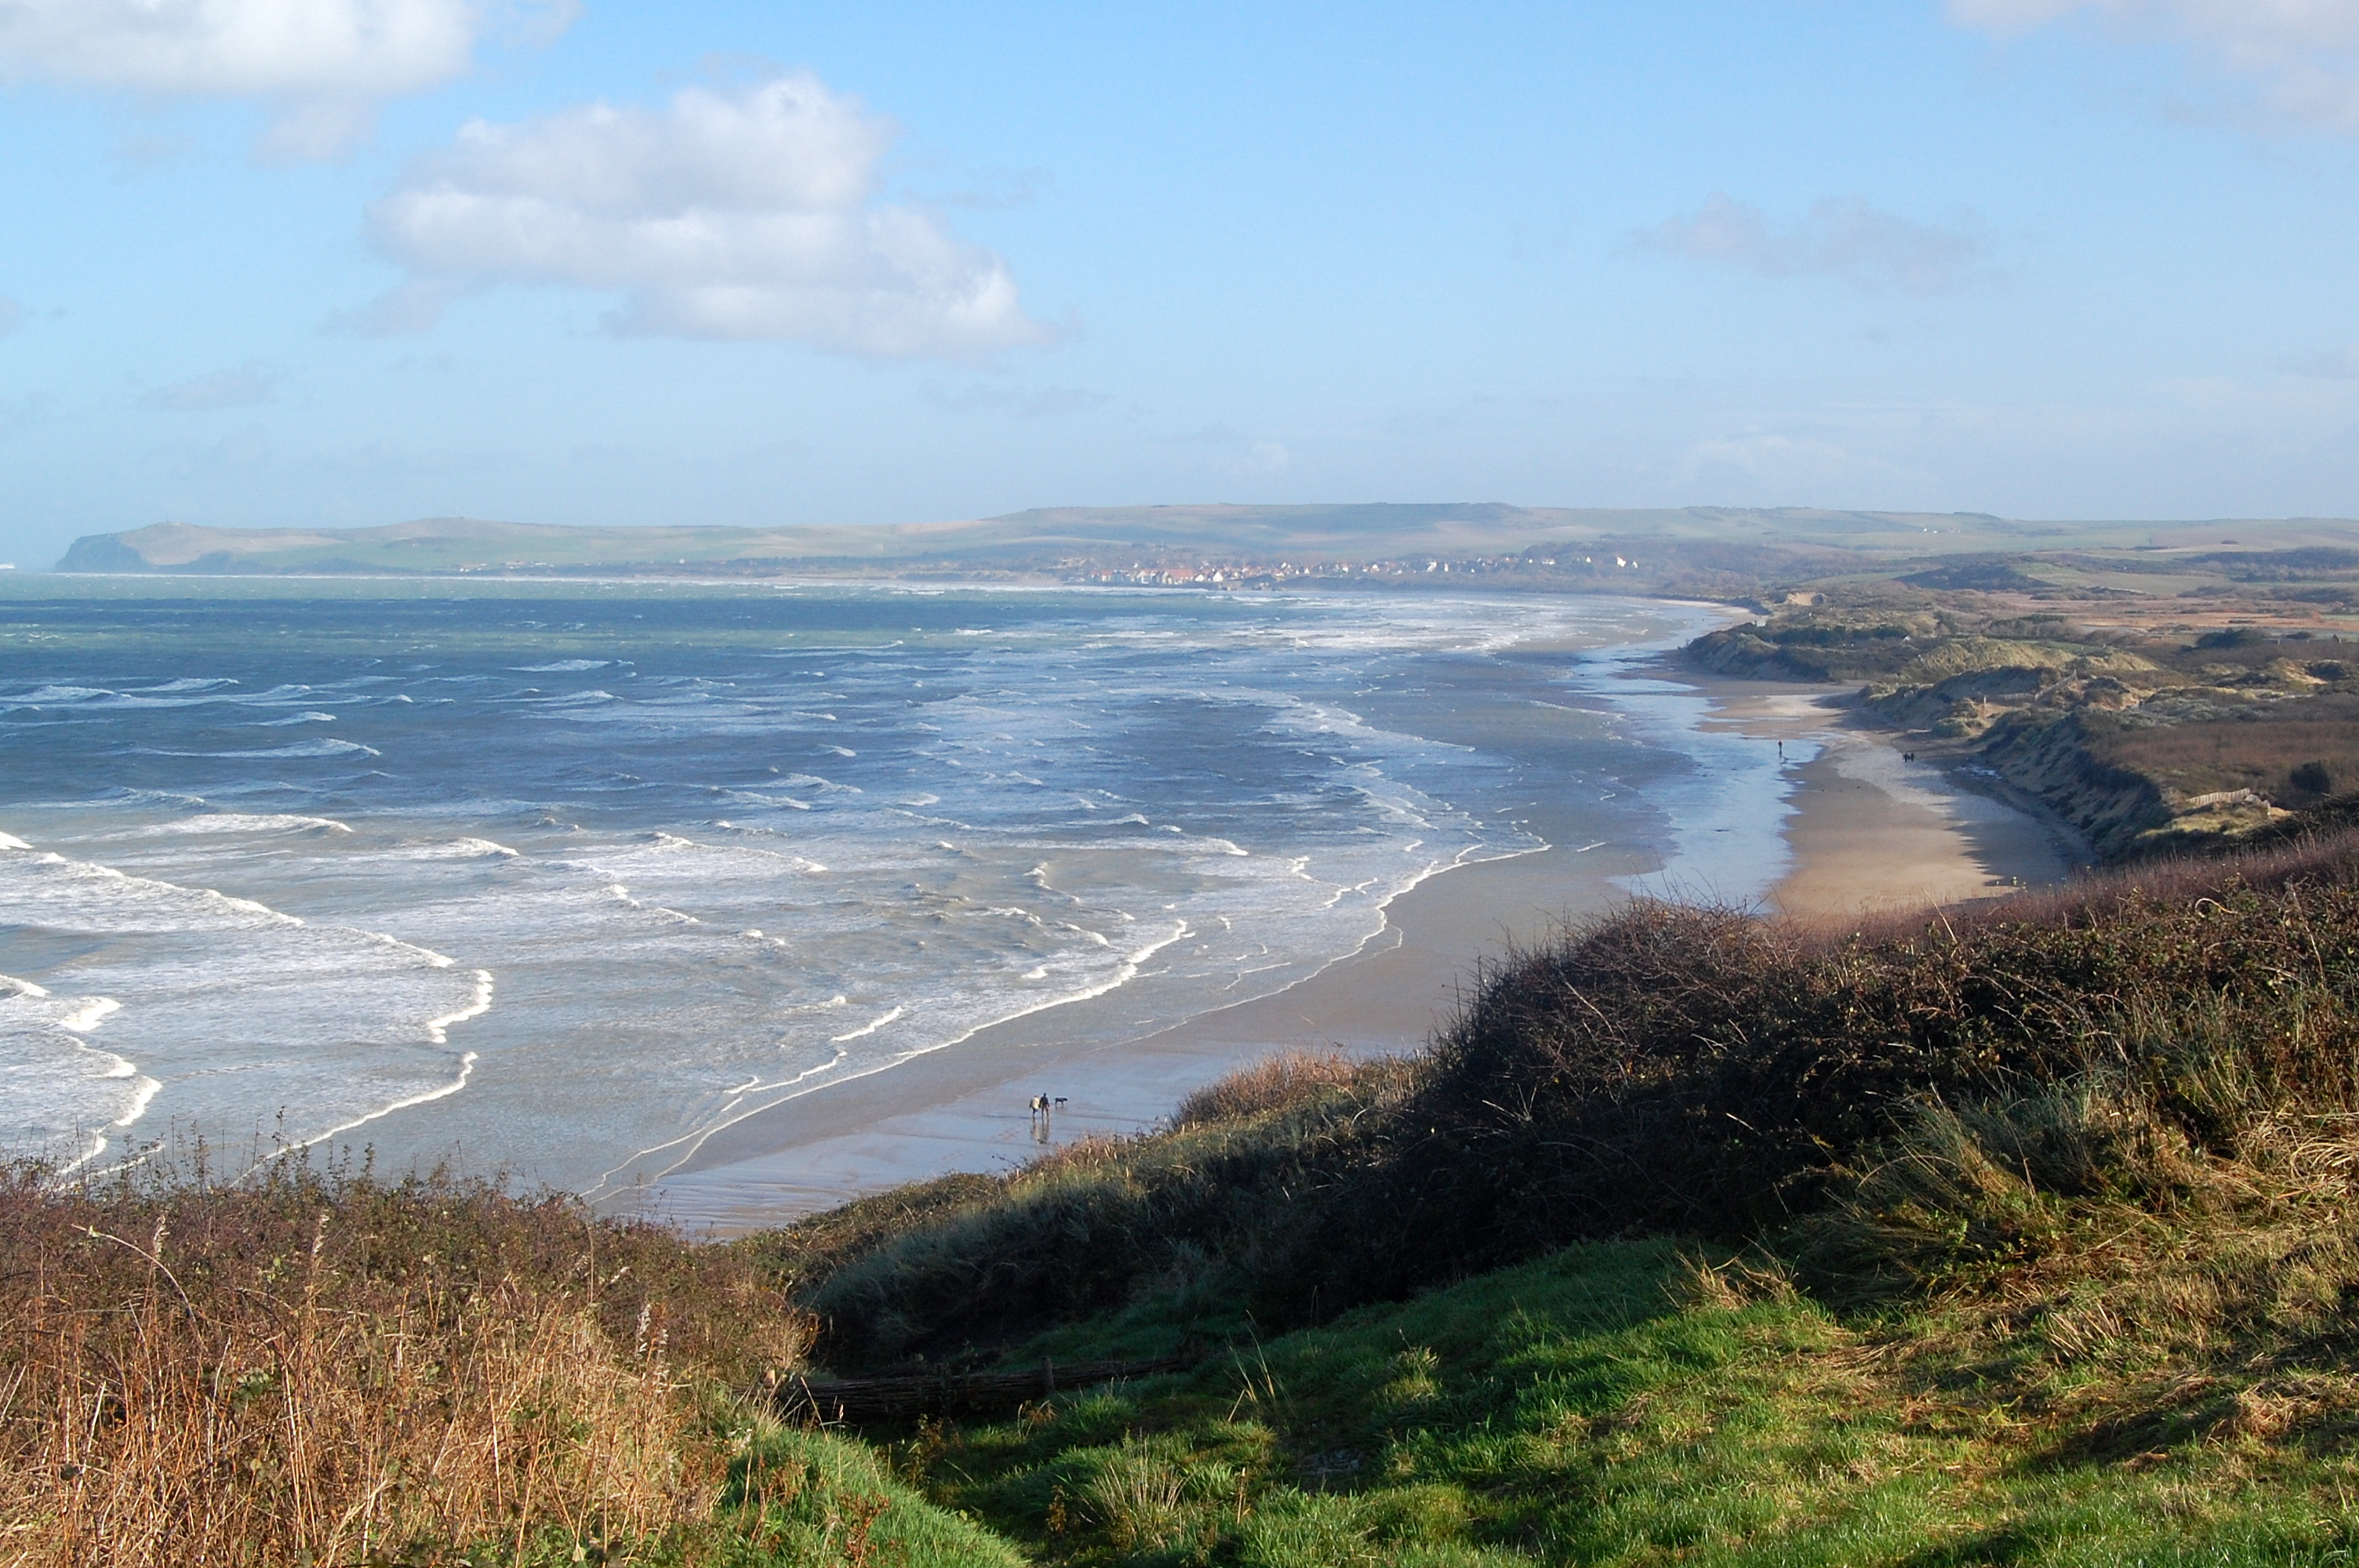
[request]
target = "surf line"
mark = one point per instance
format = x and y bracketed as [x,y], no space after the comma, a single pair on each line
[437,1031]
[867,1028]
[82,1020]
[694,1142]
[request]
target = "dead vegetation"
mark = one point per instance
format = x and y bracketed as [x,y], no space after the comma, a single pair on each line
[318,1368]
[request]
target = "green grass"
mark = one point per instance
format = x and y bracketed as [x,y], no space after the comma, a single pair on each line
[799,1495]
[1608,1404]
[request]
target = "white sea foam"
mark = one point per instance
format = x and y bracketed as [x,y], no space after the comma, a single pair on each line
[48,696]
[463,849]
[561,667]
[65,1098]
[439,1029]
[868,1029]
[214,995]
[89,1015]
[186,683]
[328,748]
[238,822]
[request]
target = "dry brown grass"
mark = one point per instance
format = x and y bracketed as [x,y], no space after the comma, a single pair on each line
[317,1370]
[2257,751]
[2077,1257]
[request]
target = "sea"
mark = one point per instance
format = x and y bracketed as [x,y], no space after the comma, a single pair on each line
[564,877]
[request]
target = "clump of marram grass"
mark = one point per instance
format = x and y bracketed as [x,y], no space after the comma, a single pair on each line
[313,1367]
[2079,1255]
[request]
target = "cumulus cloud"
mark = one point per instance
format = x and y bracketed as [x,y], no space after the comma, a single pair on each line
[252,383]
[1844,238]
[2302,56]
[323,65]
[751,213]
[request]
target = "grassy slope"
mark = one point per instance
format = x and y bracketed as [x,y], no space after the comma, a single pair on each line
[1611,1403]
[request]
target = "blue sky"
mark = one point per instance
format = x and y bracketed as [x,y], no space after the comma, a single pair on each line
[346,262]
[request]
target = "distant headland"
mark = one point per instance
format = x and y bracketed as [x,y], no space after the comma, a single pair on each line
[1704,552]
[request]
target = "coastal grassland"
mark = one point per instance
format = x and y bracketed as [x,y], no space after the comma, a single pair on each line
[1668,1070]
[2025,1234]
[309,1366]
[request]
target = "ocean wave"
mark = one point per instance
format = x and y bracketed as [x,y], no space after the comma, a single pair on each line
[185,682]
[438,1029]
[329,748]
[561,667]
[812,781]
[755,797]
[235,822]
[297,719]
[215,995]
[50,695]
[65,1098]
[869,1028]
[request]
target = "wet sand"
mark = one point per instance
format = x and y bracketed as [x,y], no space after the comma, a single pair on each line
[1867,831]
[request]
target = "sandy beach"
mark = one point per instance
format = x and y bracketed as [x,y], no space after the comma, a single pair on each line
[1867,830]
[1874,830]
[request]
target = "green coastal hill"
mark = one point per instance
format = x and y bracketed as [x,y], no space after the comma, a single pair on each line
[1786,542]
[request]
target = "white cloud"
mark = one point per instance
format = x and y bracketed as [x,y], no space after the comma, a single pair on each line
[323,65]
[1845,238]
[745,214]
[252,383]
[2301,55]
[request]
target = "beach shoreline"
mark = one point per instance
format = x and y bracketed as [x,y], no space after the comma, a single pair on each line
[1866,829]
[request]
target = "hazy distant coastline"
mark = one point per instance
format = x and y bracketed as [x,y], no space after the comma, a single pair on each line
[1734,555]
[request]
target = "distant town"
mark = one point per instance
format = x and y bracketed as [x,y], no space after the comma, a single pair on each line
[1233,573]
